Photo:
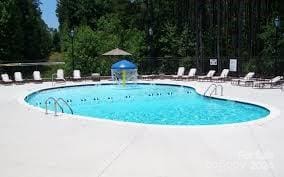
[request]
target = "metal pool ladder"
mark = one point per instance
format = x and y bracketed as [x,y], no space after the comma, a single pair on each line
[52,79]
[215,89]
[56,103]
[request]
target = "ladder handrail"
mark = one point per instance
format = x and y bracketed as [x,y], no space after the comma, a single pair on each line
[52,78]
[55,105]
[215,89]
[65,104]
[209,88]
[222,89]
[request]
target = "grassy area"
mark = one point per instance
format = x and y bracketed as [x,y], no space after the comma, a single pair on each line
[49,70]
[55,56]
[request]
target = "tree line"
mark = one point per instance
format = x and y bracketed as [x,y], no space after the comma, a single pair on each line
[151,30]
[186,28]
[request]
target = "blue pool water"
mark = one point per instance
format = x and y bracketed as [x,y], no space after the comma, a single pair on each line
[149,104]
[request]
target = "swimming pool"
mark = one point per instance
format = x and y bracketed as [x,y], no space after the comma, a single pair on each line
[149,104]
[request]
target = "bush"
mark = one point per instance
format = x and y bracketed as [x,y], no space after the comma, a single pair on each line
[89,45]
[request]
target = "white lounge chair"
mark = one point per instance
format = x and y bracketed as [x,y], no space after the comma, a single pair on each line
[6,79]
[148,77]
[270,82]
[77,75]
[96,76]
[60,75]
[247,79]
[209,75]
[191,74]
[18,77]
[179,73]
[37,76]
[222,77]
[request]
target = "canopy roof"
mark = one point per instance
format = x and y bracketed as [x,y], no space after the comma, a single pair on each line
[124,64]
[32,64]
[117,52]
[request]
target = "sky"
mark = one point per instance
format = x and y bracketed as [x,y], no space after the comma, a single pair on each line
[48,8]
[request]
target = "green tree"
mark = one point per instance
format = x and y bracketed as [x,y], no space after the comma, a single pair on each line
[270,51]
[23,34]
[74,13]
[89,45]
[55,40]
[11,31]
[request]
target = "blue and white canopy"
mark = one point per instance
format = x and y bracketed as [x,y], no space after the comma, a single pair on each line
[123,65]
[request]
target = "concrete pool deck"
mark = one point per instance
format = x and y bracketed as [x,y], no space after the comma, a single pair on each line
[33,144]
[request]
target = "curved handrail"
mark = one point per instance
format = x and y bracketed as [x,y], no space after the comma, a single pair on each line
[209,88]
[215,89]
[58,99]
[52,79]
[55,105]
[222,89]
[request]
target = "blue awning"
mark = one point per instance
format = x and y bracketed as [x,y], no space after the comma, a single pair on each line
[124,64]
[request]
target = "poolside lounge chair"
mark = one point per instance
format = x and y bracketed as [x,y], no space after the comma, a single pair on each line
[36,76]
[6,79]
[246,80]
[191,74]
[179,73]
[209,76]
[148,77]
[77,75]
[96,76]
[222,77]
[60,75]
[18,77]
[271,82]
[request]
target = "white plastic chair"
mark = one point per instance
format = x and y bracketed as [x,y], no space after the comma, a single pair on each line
[249,76]
[209,75]
[247,79]
[223,75]
[18,77]
[179,73]
[6,79]
[77,75]
[276,79]
[37,76]
[60,75]
[191,74]
[271,82]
